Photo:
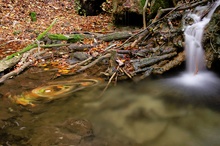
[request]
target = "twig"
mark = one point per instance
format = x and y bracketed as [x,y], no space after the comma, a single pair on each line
[38,44]
[192,5]
[212,46]
[80,63]
[15,40]
[109,47]
[145,31]
[94,62]
[110,80]
[119,47]
[144,14]
[14,72]
[126,73]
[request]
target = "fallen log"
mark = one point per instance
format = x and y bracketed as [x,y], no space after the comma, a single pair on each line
[5,64]
[176,61]
[31,46]
[115,36]
[143,62]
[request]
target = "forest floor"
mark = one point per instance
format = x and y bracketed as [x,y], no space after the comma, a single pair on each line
[17,30]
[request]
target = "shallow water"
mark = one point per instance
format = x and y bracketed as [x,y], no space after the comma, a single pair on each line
[149,113]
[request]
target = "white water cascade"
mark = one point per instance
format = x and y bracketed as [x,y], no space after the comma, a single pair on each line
[196,73]
[193,39]
[196,83]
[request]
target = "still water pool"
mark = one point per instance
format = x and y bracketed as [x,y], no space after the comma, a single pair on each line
[148,113]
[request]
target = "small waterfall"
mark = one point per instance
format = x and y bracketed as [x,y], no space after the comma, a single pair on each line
[193,39]
[196,83]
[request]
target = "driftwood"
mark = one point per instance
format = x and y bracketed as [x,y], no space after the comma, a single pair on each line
[21,68]
[143,62]
[176,61]
[5,64]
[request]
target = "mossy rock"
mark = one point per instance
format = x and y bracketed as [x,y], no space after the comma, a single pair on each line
[157,4]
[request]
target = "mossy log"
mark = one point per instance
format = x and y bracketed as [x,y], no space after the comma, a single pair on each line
[31,46]
[69,38]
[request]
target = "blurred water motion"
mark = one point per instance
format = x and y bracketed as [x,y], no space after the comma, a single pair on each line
[196,84]
[157,113]
[203,88]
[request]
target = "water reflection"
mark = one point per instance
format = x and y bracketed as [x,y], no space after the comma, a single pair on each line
[53,91]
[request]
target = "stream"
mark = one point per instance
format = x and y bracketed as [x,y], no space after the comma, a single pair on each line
[153,112]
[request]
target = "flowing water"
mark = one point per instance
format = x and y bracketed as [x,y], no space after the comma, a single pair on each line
[196,78]
[196,73]
[149,113]
[181,111]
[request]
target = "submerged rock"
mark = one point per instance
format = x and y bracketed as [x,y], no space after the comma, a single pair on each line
[81,127]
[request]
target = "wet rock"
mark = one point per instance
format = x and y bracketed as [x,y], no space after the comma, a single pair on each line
[53,136]
[2,123]
[80,55]
[77,56]
[81,127]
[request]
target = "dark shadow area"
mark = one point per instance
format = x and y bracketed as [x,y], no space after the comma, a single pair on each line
[216,67]
[128,19]
[90,7]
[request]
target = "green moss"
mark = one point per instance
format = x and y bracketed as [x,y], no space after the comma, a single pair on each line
[16,32]
[71,38]
[157,4]
[75,38]
[33,16]
[142,2]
